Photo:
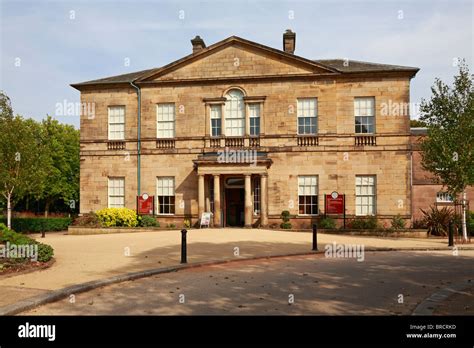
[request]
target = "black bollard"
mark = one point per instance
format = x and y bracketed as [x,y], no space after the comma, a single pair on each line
[315,237]
[183,246]
[451,234]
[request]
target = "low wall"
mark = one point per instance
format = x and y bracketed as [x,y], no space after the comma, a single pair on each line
[78,230]
[396,234]
[305,222]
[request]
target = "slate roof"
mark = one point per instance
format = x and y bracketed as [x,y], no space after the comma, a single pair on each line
[335,65]
[360,66]
[127,78]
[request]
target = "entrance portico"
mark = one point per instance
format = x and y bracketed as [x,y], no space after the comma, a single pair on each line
[225,181]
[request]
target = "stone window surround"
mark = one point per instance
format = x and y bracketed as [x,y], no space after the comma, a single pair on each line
[247,100]
[235,113]
[254,115]
[298,116]
[222,100]
[216,110]
[171,204]
[306,176]
[374,195]
[110,185]
[374,115]
[165,122]
[113,106]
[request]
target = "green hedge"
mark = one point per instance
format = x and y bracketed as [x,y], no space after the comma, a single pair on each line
[45,252]
[38,224]
[148,221]
[364,223]
[327,223]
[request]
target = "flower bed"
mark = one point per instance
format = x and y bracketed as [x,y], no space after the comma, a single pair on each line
[82,230]
[18,251]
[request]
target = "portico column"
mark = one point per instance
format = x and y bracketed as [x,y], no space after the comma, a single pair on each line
[200,195]
[207,198]
[217,201]
[248,202]
[263,200]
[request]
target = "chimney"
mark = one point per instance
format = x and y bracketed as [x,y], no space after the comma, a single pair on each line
[289,41]
[198,44]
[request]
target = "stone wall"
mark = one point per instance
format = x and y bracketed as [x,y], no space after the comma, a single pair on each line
[336,160]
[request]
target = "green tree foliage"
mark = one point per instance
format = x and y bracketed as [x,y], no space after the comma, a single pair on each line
[417,124]
[62,164]
[22,156]
[447,151]
[37,159]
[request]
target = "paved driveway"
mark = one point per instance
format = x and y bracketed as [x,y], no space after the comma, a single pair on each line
[84,258]
[318,285]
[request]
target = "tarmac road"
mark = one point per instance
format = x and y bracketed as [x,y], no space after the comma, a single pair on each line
[384,283]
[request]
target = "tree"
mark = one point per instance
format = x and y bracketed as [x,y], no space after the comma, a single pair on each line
[447,151]
[417,124]
[21,156]
[61,165]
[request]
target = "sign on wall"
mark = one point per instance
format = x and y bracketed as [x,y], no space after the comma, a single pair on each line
[145,204]
[334,203]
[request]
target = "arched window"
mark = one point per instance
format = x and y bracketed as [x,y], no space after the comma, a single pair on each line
[234,113]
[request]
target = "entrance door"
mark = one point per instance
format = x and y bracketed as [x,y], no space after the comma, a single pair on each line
[234,203]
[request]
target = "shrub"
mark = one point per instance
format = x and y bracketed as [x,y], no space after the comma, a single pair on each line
[367,223]
[285,216]
[398,222]
[21,225]
[87,220]
[419,224]
[327,223]
[171,226]
[470,222]
[45,252]
[148,221]
[123,217]
[187,223]
[437,220]
[13,237]
[457,222]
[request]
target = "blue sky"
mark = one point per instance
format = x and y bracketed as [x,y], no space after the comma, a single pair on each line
[45,46]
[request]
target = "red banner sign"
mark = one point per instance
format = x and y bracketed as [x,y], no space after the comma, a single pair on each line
[335,203]
[145,204]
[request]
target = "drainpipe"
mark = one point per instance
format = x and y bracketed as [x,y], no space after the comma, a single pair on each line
[411,185]
[139,144]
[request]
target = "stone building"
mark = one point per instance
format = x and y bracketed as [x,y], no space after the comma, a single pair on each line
[247,131]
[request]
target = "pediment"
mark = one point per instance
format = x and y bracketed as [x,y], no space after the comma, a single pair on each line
[237,58]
